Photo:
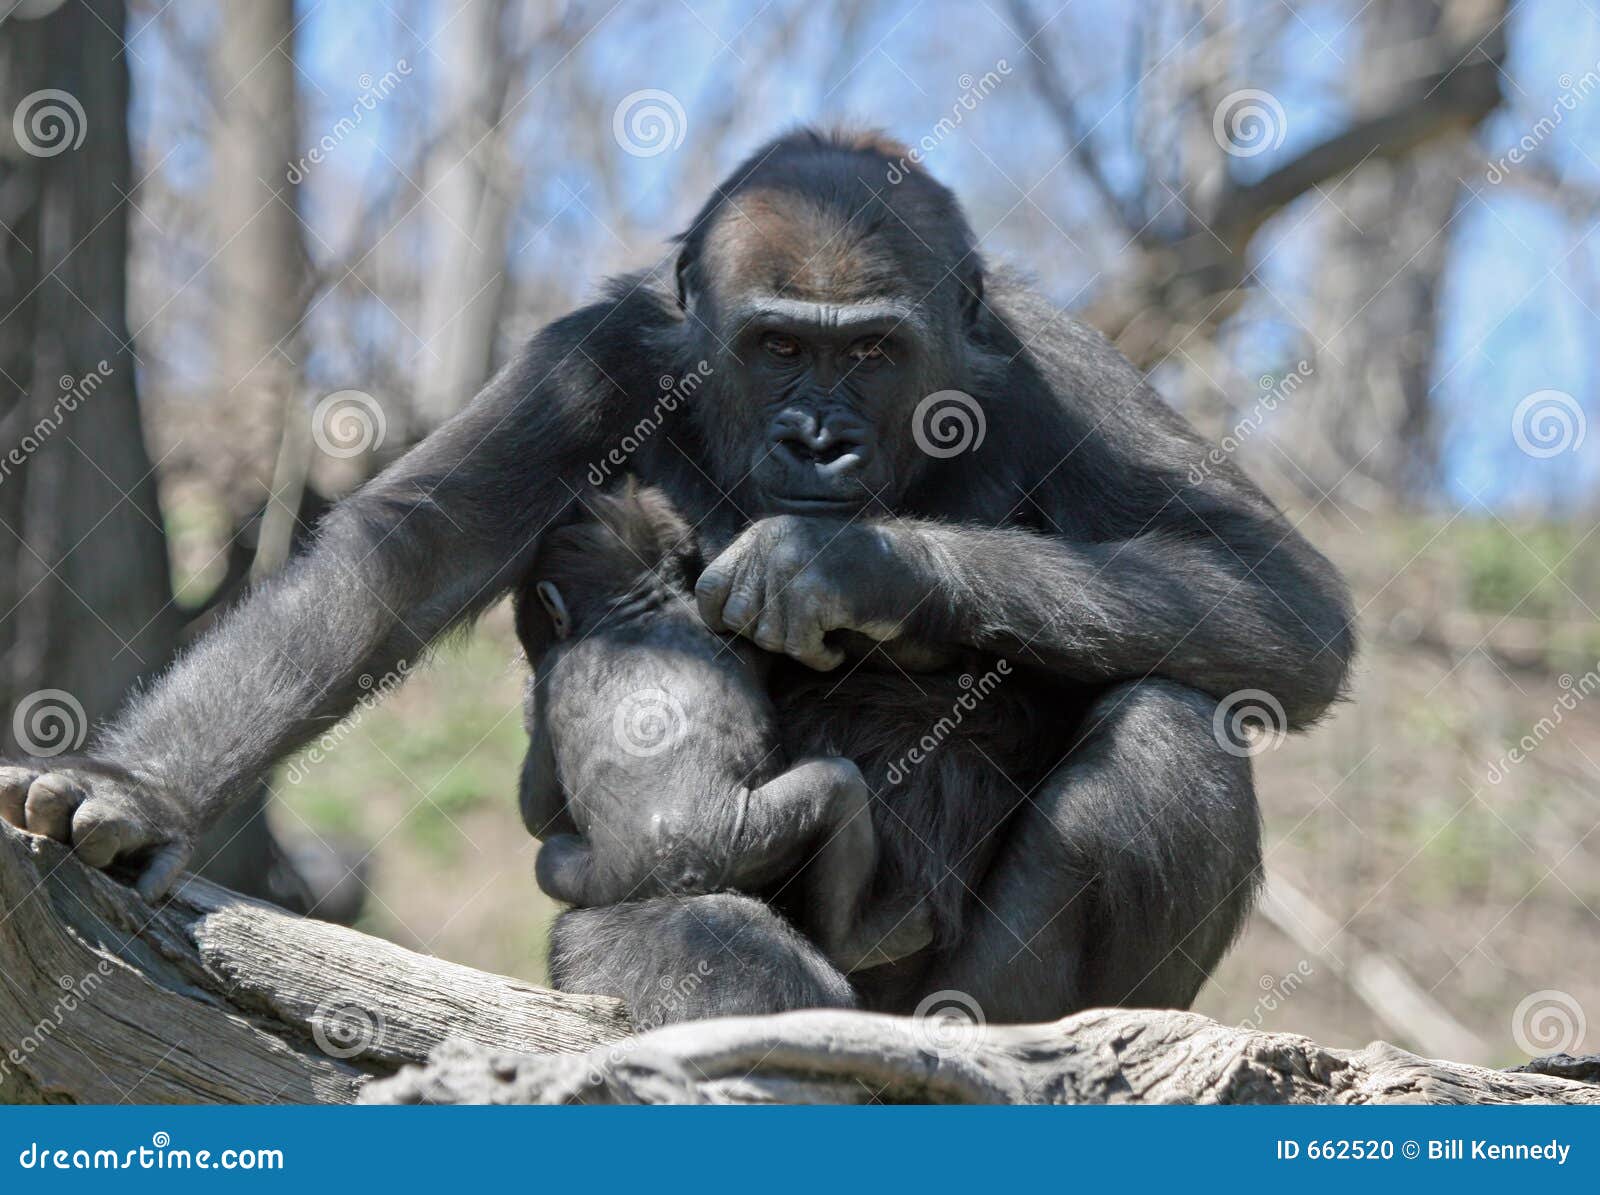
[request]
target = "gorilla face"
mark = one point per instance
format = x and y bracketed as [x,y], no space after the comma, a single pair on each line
[827,380]
[828,325]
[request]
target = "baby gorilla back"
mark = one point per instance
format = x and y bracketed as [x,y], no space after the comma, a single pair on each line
[659,739]
[659,733]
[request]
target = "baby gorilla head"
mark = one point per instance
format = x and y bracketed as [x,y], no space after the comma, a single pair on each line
[629,545]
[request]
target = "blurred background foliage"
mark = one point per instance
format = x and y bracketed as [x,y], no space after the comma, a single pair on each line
[1394,200]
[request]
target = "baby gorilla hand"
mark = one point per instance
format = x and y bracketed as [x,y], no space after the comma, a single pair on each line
[105,814]
[789,580]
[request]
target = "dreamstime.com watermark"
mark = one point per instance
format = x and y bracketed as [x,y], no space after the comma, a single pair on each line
[345,1030]
[1275,993]
[1249,721]
[49,722]
[675,392]
[49,122]
[1250,424]
[1573,92]
[158,1155]
[973,92]
[649,122]
[651,1012]
[373,693]
[1248,122]
[949,1024]
[1548,1022]
[73,993]
[1576,690]
[1547,423]
[648,722]
[948,423]
[976,690]
[74,391]
[347,423]
[373,91]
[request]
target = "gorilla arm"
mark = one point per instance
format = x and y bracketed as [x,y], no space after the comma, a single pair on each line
[427,544]
[1200,580]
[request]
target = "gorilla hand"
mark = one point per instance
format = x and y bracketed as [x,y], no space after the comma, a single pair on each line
[788,580]
[104,813]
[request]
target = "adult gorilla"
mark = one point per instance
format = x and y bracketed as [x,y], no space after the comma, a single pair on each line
[1084,835]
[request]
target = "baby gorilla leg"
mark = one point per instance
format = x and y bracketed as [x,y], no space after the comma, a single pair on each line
[827,802]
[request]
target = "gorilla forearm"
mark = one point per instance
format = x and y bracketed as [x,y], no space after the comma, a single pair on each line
[1190,607]
[427,544]
[1219,606]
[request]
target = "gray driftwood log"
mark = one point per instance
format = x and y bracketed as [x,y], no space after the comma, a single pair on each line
[217,998]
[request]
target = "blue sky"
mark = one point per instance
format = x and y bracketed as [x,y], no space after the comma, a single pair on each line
[1520,307]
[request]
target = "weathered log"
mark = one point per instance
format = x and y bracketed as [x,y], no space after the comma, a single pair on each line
[217,998]
[1117,1056]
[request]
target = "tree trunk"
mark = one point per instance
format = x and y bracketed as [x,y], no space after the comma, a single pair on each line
[471,183]
[217,998]
[85,591]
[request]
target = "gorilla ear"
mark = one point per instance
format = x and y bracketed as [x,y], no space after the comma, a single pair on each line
[685,265]
[972,295]
[556,607]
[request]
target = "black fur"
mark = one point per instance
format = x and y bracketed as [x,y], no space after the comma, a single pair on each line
[1104,845]
[657,739]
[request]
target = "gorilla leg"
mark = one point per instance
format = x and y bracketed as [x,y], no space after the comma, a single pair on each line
[1126,875]
[681,958]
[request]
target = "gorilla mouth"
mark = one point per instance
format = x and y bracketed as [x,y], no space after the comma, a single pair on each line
[811,504]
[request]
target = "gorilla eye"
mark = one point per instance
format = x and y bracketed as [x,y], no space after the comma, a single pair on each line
[867,352]
[780,345]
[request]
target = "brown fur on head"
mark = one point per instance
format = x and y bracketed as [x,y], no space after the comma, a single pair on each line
[622,539]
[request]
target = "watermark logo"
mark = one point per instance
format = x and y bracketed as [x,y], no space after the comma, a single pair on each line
[345,1030]
[373,91]
[373,692]
[49,122]
[1276,391]
[1548,423]
[973,92]
[348,423]
[648,722]
[675,392]
[1249,122]
[1573,93]
[948,1024]
[948,423]
[976,689]
[74,392]
[649,122]
[49,722]
[1275,992]
[1249,722]
[1576,689]
[1548,1022]
[74,993]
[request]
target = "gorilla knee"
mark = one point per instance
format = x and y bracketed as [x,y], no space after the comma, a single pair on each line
[685,958]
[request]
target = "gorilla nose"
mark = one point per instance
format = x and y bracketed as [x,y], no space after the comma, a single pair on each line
[806,441]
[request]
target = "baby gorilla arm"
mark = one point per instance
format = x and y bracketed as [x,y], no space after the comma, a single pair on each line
[823,804]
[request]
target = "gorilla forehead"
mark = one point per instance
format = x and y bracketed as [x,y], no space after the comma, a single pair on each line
[814,215]
[784,243]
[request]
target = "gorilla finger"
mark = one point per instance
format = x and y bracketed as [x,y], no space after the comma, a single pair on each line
[98,837]
[742,609]
[14,784]
[809,649]
[166,866]
[710,594]
[769,633]
[52,800]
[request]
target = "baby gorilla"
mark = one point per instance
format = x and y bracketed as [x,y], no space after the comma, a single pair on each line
[654,739]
